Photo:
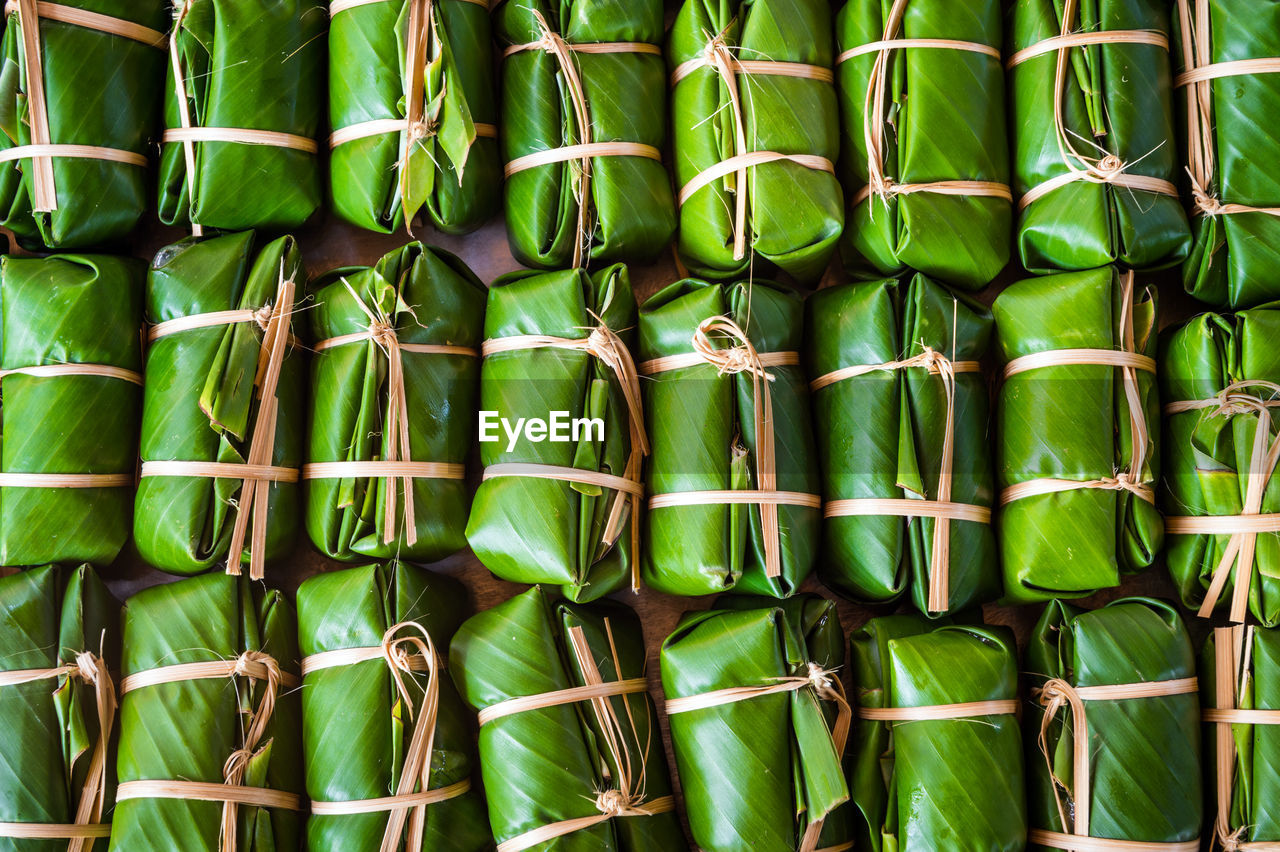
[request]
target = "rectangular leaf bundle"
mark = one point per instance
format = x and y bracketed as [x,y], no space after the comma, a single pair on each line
[584,120]
[733,480]
[72,361]
[924,152]
[1225,55]
[1095,155]
[243,105]
[223,408]
[560,512]
[569,747]
[937,758]
[756,132]
[900,411]
[393,385]
[84,77]
[1220,378]
[377,727]
[413,112]
[59,640]
[1078,451]
[758,724]
[1113,736]
[210,723]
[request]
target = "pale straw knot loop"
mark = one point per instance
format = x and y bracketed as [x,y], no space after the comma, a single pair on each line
[613,802]
[819,678]
[1109,167]
[742,358]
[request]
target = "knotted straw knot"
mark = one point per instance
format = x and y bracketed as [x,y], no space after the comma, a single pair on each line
[262,316]
[422,129]
[819,678]
[246,661]
[613,802]
[717,50]
[383,334]
[87,667]
[237,763]
[1109,167]
[1204,202]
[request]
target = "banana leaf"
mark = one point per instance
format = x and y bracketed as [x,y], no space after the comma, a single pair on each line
[937,784]
[1144,753]
[881,435]
[533,530]
[356,730]
[1117,109]
[1252,815]
[1235,254]
[758,772]
[943,119]
[551,764]
[428,296]
[101,90]
[794,213]
[452,172]
[629,213]
[202,401]
[246,65]
[51,726]
[1208,452]
[704,434]
[69,310]
[1075,423]
[187,730]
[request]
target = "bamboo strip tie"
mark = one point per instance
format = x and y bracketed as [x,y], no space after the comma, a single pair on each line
[940,712]
[256,474]
[1240,553]
[1057,695]
[741,357]
[88,825]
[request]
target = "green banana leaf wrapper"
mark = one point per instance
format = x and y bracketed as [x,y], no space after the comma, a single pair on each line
[795,214]
[1074,423]
[944,120]
[1207,453]
[356,727]
[547,765]
[102,90]
[1234,256]
[1144,754]
[532,530]
[428,296]
[202,400]
[1118,102]
[188,729]
[452,173]
[881,435]
[51,726]
[939,784]
[1255,789]
[69,309]
[247,64]
[702,428]
[630,210]
[756,773]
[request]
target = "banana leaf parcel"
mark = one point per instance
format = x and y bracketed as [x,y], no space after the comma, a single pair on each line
[733,479]
[223,408]
[900,411]
[1225,55]
[1077,455]
[560,512]
[412,106]
[758,725]
[243,104]
[937,757]
[584,120]
[59,640]
[1220,378]
[80,88]
[210,723]
[756,132]
[1240,694]
[389,750]
[569,746]
[393,385]
[1095,156]
[71,356]
[1113,734]
[925,153]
